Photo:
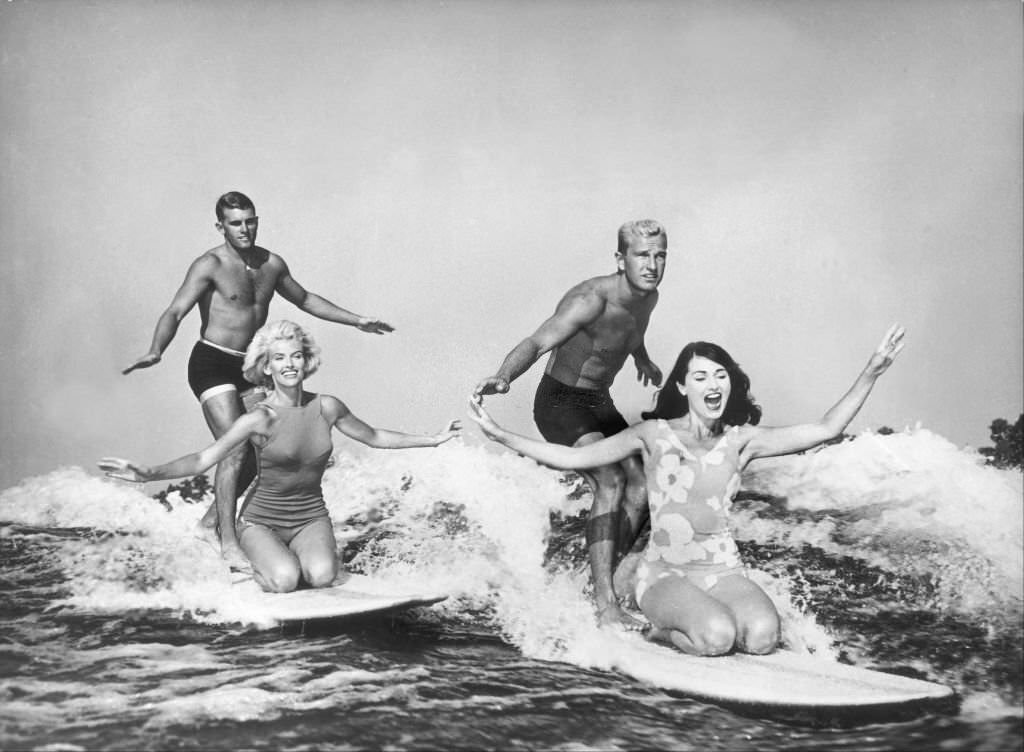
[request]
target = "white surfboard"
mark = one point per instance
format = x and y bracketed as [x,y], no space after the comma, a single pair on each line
[355,596]
[783,679]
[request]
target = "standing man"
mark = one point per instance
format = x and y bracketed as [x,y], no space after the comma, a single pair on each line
[233,284]
[597,324]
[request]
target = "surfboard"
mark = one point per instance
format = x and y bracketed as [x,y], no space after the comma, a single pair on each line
[783,679]
[355,596]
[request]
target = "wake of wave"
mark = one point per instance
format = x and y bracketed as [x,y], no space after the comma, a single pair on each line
[480,525]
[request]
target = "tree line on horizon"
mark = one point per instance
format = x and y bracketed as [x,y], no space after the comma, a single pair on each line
[1008,444]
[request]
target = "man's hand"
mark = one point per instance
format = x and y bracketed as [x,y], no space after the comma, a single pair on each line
[374,326]
[147,360]
[490,385]
[647,373]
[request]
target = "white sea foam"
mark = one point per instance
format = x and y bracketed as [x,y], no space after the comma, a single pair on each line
[475,523]
[907,502]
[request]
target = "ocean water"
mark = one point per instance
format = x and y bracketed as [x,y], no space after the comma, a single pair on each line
[122,630]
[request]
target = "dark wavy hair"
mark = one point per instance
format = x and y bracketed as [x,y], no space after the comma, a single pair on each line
[739,410]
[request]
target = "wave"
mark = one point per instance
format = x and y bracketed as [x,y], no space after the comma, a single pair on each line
[928,518]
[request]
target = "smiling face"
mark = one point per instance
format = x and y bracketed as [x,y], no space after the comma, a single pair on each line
[239,227]
[707,387]
[643,262]
[286,363]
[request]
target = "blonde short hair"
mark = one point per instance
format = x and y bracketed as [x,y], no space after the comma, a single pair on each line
[258,351]
[639,229]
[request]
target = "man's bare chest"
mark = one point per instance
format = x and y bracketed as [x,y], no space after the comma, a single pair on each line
[248,288]
[617,331]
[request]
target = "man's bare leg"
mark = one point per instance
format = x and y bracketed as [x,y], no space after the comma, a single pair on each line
[635,512]
[608,485]
[634,506]
[233,473]
[220,411]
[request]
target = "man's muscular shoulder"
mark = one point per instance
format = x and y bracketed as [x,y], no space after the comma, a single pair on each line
[272,263]
[217,257]
[590,296]
[207,264]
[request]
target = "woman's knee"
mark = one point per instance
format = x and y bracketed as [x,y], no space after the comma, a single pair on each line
[321,572]
[281,578]
[760,635]
[716,636]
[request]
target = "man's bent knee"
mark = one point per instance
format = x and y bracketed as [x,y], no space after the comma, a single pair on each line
[634,496]
[610,482]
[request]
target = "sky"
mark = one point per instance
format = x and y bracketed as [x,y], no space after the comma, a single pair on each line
[823,169]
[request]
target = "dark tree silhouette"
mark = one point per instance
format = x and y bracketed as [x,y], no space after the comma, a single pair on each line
[1009,443]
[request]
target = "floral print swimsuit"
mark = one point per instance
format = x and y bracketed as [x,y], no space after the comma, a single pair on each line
[690,492]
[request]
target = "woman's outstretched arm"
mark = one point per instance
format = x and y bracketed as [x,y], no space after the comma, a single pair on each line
[191,464]
[604,452]
[767,442]
[338,414]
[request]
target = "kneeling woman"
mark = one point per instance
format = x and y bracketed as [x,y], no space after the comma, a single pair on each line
[691,583]
[284,528]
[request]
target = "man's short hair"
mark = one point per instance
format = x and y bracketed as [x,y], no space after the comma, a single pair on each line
[233,200]
[639,228]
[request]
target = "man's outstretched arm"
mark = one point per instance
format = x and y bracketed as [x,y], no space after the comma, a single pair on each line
[573,313]
[322,308]
[196,280]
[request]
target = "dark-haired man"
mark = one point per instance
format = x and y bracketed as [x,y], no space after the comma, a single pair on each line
[596,326]
[233,284]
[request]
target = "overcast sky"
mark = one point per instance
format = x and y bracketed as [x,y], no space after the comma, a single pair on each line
[823,169]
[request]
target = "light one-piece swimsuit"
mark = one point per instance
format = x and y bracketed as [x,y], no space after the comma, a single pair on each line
[690,492]
[288,494]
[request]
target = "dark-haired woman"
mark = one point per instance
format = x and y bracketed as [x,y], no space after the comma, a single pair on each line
[691,583]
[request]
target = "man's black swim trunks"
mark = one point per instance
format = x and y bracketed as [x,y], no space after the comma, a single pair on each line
[564,413]
[210,367]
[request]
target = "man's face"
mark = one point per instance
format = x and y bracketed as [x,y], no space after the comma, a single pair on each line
[644,262]
[239,228]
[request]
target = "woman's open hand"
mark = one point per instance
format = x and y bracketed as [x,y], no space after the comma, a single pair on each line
[887,350]
[483,419]
[115,467]
[450,432]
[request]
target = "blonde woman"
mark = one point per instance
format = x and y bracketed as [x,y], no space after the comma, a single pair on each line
[284,528]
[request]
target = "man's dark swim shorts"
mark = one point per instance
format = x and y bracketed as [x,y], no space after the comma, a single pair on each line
[210,367]
[564,413]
